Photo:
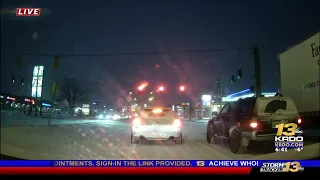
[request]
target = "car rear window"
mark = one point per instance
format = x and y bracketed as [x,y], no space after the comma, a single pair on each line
[162,114]
[274,105]
[247,106]
[150,114]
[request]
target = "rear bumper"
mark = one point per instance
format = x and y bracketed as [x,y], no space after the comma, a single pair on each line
[258,136]
[156,133]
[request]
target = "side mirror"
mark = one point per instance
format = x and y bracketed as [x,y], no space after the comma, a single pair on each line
[215,113]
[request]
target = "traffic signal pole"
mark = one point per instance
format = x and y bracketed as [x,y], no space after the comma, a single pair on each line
[257,73]
[220,85]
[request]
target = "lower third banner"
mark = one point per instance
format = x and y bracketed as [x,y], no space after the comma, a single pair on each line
[152,166]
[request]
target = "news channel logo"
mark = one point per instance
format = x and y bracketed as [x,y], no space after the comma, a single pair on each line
[289,136]
[293,166]
[200,163]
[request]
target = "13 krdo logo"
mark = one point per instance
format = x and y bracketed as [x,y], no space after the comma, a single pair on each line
[289,134]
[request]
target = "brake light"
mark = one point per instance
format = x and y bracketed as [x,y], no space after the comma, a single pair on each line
[136,122]
[254,125]
[157,111]
[299,121]
[177,123]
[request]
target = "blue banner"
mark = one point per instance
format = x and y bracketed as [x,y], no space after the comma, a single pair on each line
[151,163]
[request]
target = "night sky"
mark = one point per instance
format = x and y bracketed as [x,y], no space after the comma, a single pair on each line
[91,27]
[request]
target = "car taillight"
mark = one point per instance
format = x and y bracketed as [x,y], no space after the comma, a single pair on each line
[299,120]
[177,123]
[254,124]
[156,111]
[136,122]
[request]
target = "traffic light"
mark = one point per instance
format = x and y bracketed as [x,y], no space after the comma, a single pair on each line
[161,88]
[142,86]
[22,82]
[18,61]
[232,79]
[13,78]
[182,88]
[56,62]
[239,74]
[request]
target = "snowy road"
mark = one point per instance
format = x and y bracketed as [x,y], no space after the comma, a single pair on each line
[10,119]
[111,140]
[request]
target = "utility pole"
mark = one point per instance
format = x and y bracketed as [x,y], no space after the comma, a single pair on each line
[49,121]
[190,110]
[201,112]
[53,95]
[257,69]
[41,98]
[220,85]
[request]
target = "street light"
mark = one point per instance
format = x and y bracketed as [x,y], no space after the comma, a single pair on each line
[130,92]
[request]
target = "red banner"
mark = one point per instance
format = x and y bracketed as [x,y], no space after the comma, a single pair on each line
[125,170]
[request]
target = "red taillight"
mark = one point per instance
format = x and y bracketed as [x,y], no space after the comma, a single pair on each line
[156,111]
[177,123]
[136,122]
[254,124]
[299,120]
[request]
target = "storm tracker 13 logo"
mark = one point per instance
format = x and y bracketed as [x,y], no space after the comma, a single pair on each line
[282,167]
[289,136]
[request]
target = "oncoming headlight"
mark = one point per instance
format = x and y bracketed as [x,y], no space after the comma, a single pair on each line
[116,116]
[100,116]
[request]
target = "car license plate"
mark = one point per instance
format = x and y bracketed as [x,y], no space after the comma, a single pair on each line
[277,122]
[155,134]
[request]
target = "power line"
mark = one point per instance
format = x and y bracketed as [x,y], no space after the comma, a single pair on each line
[137,54]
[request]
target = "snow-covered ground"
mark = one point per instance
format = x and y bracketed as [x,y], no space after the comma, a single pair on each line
[10,119]
[111,140]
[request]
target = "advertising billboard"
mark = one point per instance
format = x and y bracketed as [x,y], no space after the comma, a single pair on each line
[206,100]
